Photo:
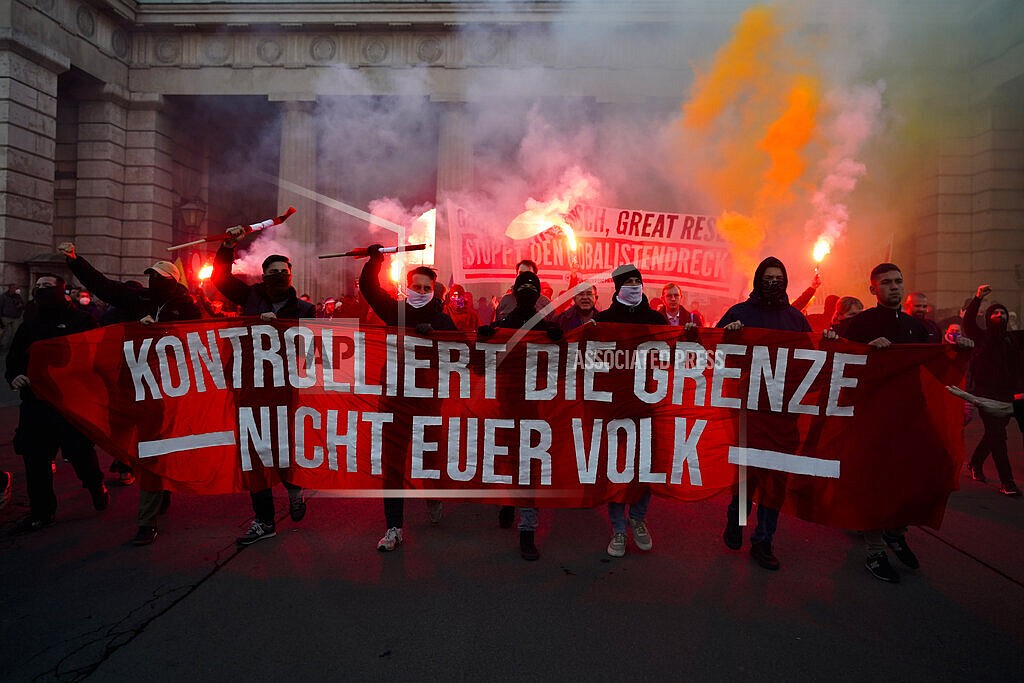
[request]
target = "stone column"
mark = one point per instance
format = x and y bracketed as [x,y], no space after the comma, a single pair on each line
[28,128]
[454,173]
[100,171]
[298,165]
[148,185]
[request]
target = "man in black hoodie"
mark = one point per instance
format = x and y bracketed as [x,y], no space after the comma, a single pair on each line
[996,373]
[273,298]
[881,327]
[526,291]
[630,305]
[423,312]
[767,307]
[164,300]
[41,429]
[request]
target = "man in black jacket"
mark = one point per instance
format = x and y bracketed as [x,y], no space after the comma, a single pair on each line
[273,298]
[996,373]
[881,327]
[526,291]
[42,431]
[630,305]
[423,312]
[164,300]
[768,308]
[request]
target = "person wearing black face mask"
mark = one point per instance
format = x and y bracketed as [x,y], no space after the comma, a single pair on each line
[995,373]
[767,307]
[42,431]
[273,298]
[526,291]
[164,300]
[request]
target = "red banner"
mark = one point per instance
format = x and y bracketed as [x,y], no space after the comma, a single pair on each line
[666,247]
[827,430]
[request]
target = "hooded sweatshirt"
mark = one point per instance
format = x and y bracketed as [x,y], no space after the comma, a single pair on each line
[770,312]
[996,370]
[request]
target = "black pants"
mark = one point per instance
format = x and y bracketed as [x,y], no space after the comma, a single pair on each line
[994,442]
[263,502]
[41,433]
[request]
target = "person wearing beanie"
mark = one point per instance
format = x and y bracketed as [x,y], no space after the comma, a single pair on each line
[165,299]
[768,308]
[881,327]
[630,305]
[423,313]
[995,373]
[42,431]
[272,298]
[526,290]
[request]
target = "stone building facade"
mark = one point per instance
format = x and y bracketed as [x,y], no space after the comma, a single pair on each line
[115,115]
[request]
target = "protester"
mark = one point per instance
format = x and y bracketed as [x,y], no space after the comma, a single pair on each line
[917,306]
[672,307]
[42,431]
[164,300]
[802,301]
[629,305]
[459,308]
[526,290]
[996,374]
[485,311]
[508,302]
[846,308]
[767,307]
[582,311]
[880,327]
[270,299]
[820,322]
[12,308]
[422,312]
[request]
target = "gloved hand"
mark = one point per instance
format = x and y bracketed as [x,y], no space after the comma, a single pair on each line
[554,333]
[485,332]
[374,250]
[424,328]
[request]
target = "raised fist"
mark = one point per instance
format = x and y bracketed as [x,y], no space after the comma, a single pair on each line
[68,249]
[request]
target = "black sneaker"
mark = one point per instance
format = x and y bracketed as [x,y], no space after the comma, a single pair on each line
[145,535]
[976,473]
[32,523]
[1010,490]
[506,515]
[878,565]
[100,497]
[527,548]
[899,547]
[733,535]
[762,552]
[257,532]
[296,507]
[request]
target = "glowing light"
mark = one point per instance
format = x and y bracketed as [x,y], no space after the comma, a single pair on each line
[206,272]
[822,248]
[570,236]
[397,266]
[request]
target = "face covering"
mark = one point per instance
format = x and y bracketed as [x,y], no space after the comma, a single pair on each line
[417,300]
[630,295]
[162,286]
[277,283]
[526,298]
[773,292]
[49,297]
[459,302]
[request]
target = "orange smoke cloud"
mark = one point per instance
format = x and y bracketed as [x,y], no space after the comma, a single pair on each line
[750,120]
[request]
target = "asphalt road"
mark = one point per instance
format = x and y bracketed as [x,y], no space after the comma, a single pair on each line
[456,602]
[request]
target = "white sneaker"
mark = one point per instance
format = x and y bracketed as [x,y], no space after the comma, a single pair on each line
[392,539]
[617,546]
[641,536]
[435,510]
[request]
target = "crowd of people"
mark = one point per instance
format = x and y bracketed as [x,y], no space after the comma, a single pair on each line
[423,306]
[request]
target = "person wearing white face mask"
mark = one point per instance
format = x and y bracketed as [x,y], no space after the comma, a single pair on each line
[422,312]
[629,305]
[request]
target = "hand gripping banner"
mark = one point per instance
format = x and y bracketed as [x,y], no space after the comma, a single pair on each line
[830,431]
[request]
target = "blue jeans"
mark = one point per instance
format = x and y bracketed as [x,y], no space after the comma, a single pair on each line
[767,519]
[637,511]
